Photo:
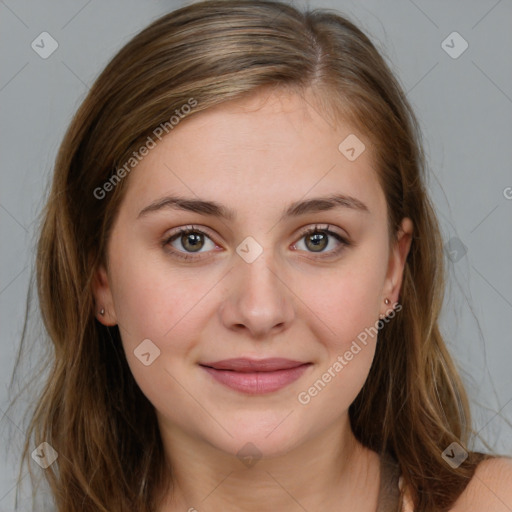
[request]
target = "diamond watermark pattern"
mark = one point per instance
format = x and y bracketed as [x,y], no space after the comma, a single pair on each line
[454,45]
[146,352]
[351,147]
[455,249]
[45,455]
[249,454]
[44,45]
[249,249]
[455,455]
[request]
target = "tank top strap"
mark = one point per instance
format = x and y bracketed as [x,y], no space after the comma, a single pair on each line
[389,490]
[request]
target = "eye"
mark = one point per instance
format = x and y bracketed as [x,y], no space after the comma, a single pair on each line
[317,240]
[191,240]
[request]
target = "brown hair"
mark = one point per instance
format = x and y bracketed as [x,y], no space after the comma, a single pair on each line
[91,410]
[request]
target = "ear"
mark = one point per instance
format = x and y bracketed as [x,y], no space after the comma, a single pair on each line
[396,263]
[103,297]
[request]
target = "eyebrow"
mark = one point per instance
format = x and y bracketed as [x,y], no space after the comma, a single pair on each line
[203,207]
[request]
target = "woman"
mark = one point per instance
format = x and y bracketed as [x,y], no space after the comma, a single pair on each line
[241,273]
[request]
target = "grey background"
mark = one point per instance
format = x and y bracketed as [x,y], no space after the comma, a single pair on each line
[464,106]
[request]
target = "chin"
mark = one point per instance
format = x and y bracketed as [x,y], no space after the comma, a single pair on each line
[258,440]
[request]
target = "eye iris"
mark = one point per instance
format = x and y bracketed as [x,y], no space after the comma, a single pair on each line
[318,239]
[192,241]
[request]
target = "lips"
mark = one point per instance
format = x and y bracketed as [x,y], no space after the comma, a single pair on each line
[246,365]
[252,376]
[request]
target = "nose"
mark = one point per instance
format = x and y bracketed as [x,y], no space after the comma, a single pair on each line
[259,300]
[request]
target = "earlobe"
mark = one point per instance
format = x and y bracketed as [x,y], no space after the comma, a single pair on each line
[104,306]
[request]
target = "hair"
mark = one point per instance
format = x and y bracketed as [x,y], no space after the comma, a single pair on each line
[412,405]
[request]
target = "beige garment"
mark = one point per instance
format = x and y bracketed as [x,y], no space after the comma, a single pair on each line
[389,491]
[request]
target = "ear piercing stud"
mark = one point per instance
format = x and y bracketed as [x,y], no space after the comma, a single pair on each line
[102,311]
[387,302]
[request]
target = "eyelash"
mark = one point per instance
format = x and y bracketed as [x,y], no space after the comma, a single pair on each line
[192,229]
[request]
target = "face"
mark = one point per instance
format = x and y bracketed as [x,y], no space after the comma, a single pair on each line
[271,279]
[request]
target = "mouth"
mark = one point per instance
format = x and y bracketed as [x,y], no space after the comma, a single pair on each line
[253,376]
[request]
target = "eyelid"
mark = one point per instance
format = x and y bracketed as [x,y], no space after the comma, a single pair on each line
[168,238]
[326,228]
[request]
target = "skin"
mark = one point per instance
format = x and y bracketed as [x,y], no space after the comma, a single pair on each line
[255,156]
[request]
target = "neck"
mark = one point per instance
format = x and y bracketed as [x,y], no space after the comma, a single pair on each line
[331,470]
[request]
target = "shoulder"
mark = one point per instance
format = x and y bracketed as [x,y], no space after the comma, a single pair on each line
[489,489]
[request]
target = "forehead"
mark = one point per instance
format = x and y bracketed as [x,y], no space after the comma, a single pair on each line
[270,148]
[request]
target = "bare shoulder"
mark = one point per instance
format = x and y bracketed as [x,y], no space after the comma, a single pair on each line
[489,489]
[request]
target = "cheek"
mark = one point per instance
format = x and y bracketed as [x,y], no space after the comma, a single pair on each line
[153,303]
[347,300]
[148,294]
[348,306]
